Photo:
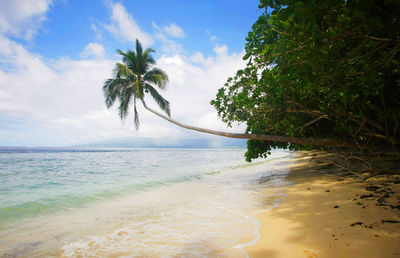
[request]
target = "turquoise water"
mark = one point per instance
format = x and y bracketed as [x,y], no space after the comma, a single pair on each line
[36,181]
[78,201]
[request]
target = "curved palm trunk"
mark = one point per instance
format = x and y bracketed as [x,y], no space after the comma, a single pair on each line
[260,137]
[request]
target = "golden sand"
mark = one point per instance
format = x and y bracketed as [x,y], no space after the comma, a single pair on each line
[328,216]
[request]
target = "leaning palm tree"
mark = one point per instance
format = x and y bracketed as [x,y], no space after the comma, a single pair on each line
[137,76]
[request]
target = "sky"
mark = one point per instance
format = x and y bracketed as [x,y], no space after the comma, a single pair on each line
[56,54]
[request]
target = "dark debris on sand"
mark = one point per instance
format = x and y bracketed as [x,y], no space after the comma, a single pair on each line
[380,192]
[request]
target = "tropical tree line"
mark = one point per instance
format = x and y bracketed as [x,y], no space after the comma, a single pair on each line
[320,69]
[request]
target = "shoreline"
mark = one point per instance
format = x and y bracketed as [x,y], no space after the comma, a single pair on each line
[190,217]
[324,215]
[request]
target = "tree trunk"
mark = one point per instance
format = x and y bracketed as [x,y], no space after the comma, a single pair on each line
[260,137]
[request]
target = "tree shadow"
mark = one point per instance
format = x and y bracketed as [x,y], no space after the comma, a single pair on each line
[318,219]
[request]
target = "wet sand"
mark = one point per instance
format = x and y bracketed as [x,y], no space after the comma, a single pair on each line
[325,215]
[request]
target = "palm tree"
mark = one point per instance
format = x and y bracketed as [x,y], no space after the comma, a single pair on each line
[137,76]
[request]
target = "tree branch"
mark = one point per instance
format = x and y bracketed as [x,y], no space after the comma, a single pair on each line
[259,137]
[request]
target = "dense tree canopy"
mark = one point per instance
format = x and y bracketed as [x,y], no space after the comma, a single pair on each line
[319,69]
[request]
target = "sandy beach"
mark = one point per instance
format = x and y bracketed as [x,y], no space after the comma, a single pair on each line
[248,209]
[325,215]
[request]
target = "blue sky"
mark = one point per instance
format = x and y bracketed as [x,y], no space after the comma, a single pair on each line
[55,55]
[70,22]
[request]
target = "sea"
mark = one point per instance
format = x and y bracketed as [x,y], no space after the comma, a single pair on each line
[129,202]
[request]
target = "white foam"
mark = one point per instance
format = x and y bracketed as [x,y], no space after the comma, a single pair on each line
[203,217]
[224,212]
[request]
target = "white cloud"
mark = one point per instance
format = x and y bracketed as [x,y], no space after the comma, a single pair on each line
[221,49]
[174,30]
[63,88]
[171,47]
[124,27]
[193,86]
[168,45]
[198,58]
[93,50]
[22,18]
[66,99]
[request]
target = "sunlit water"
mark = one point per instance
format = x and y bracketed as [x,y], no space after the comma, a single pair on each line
[132,202]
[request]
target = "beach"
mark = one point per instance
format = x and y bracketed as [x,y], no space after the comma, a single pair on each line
[238,129]
[74,203]
[325,215]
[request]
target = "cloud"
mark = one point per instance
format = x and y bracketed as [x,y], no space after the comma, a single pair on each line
[171,46]
[192,86]
[198,58]
[168,45]
[22,18]
[93,50]
[124,27]
[221,49]
[65,99]
[174,30]
[60,88]
[60,101]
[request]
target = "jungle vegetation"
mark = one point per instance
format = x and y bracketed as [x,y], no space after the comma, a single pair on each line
[320,70]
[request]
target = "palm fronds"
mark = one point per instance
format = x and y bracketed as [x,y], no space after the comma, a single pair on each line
[112,89]
[162,103]
[132,78]
[125,97]
[157,77]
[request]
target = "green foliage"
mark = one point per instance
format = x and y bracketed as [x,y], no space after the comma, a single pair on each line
[319,69]
[132,79]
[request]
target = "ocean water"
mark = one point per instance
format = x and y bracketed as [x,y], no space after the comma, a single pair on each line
[133,202]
